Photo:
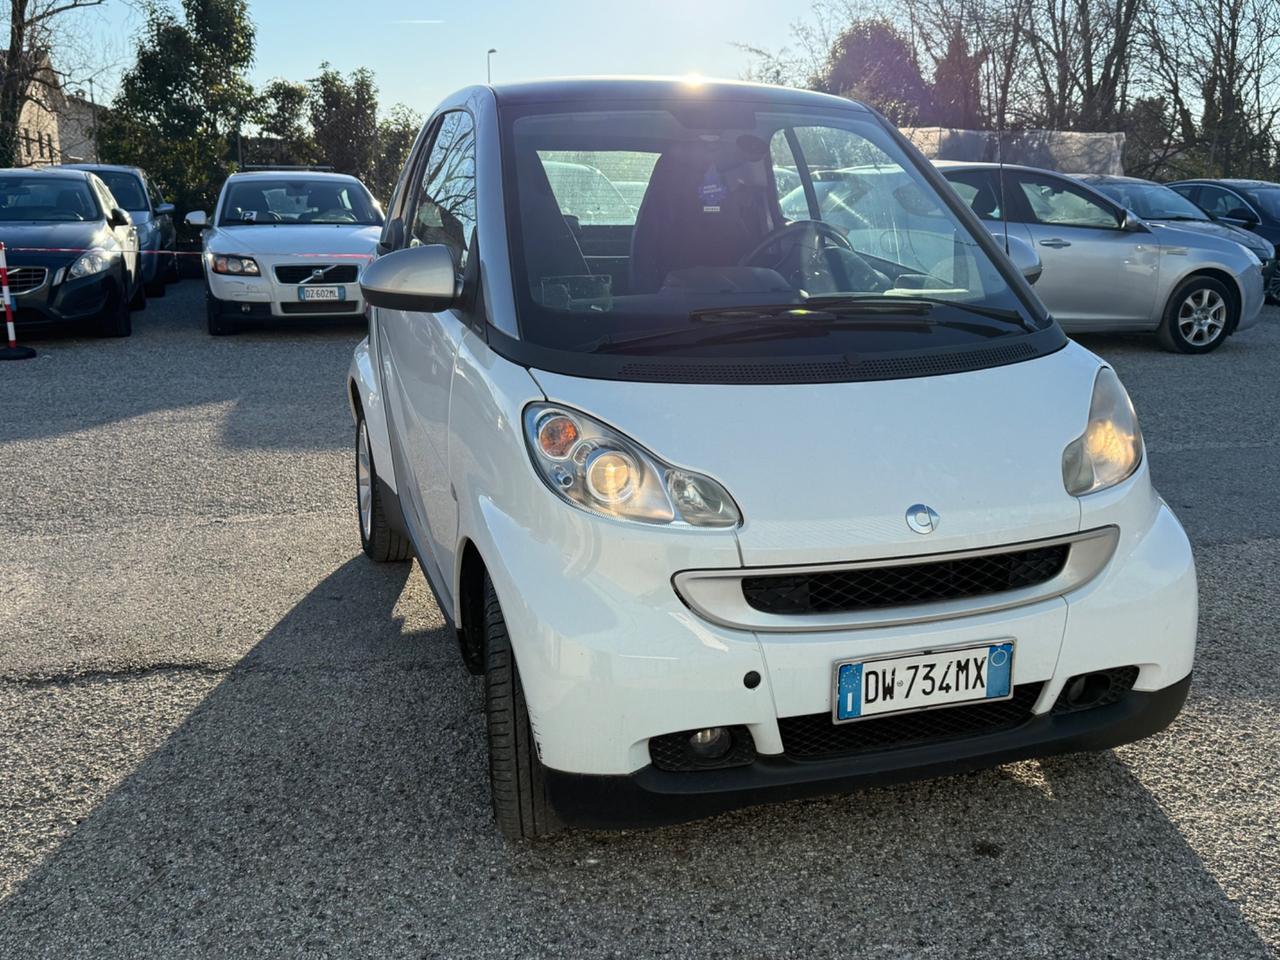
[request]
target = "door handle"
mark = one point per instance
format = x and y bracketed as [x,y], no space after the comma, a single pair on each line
[1057,243]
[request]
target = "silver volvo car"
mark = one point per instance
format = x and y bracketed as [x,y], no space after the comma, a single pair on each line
[1106,269]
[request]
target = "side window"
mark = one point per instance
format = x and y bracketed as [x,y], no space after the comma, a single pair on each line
[978,190]
[1057,203]
[445,206]
[1189,190]
[1218,202]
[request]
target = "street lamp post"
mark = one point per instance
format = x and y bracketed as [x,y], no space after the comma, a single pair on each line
[488,65]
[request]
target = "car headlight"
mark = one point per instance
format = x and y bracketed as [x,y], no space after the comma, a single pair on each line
[597,469]
[1110,448]
[90,262]
[235,265]
[1253,255]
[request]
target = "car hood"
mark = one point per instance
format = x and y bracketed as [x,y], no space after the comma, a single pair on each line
[826,472]
[1223,231]
[50,243]
[317,239]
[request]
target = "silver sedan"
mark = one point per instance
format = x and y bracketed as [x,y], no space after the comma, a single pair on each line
[1105,269]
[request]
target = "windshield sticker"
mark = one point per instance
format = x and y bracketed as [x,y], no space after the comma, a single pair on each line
[249,216]
[712,190]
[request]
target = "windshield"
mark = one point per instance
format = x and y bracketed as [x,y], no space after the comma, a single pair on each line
[298,200]
[1150,201]
[126,188]
[46,198]
[649,225]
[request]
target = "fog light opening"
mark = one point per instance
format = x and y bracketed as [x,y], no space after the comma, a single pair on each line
[1087,689]
[711,743]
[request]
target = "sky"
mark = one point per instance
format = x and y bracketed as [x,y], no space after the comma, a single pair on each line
[422,50]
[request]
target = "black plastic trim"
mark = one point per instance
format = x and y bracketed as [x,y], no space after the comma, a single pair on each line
[652,797]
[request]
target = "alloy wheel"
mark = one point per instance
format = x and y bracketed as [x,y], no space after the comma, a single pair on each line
[1202,317]
[364,481]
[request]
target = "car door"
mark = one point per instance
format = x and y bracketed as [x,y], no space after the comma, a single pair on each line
[1097,275]
[418,349]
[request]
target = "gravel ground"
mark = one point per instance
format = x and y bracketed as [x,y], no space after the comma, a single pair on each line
[223,733]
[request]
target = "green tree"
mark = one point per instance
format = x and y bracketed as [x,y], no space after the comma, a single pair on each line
[396,133]
[872,61]
[281,115]
[344,120]
[956,94]
[181,106]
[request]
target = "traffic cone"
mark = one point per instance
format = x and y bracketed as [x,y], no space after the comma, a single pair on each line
[12,351]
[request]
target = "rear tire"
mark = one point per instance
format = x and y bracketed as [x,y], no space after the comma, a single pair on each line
[115,320]
[1198,317]
[219,325]
[516,781]
[380,542]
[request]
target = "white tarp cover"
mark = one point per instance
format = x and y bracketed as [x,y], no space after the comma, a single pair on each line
[1060,150]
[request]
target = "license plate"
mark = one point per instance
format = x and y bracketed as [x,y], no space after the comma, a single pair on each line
[322,293]
[920,681]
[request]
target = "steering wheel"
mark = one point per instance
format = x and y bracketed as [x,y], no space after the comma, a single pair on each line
[806,232]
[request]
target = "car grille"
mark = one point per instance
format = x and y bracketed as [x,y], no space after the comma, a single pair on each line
[814,736]
[321,306]
[334,273]
[842,591]
[26,279]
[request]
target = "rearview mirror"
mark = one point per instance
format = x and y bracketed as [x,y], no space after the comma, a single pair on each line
[1025,258]
[423,279]
[164,209]
[198,218]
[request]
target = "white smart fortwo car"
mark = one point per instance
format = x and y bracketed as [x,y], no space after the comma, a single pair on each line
[725,508]
[286,245]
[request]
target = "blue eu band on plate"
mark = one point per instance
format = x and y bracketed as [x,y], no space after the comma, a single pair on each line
[923,680]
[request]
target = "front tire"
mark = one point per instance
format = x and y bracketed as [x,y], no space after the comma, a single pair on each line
[139,299]
[219,325]
[115,320]
[1197,317]
[516,782]
[380,542]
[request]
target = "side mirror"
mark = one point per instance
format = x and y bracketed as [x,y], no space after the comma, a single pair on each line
[198,218]
[392,236]
[164,209]
[118,218]
[1025,258]
[1132,223]
[422,279]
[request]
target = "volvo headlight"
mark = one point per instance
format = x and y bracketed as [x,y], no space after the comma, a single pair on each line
[597,469]
[235,266]
[90,262]
[1110,448]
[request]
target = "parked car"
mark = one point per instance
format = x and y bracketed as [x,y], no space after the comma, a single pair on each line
[72,251]
[152,215]
[286,245]
[751,514]
[1252,205]
[1105,269]
[1157,203]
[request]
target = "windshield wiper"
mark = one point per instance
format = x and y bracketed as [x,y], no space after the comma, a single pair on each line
[991,313]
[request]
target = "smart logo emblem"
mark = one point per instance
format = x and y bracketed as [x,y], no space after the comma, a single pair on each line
[922,519]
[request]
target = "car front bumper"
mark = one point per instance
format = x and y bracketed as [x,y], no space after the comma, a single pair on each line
[610,658]
[265,296]
[653,797]
[61,301]
[1253,296]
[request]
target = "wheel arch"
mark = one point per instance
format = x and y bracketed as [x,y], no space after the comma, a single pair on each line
[469,604]
[1226,278]
[364,396]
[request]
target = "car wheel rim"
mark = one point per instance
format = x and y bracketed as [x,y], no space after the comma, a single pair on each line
[1275,284]
[364,480]
[1202,317]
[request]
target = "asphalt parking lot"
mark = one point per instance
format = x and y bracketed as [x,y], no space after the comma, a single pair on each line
[224,733]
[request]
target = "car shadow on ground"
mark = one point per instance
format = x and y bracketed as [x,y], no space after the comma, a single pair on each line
[282,383]
[328,798]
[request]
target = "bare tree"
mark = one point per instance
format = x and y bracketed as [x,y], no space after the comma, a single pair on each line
[36,29]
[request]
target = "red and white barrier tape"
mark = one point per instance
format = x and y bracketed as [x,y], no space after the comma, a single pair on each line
[195,253]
